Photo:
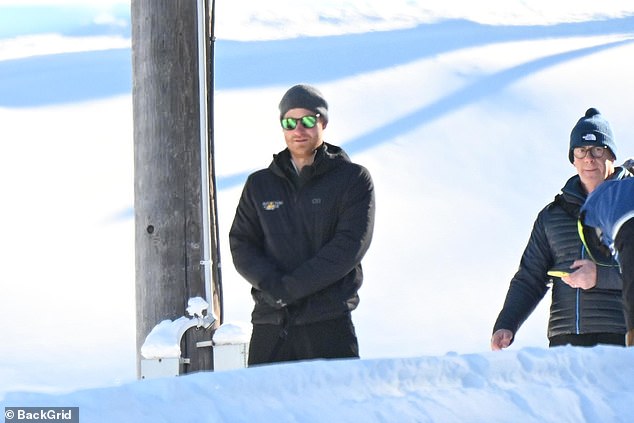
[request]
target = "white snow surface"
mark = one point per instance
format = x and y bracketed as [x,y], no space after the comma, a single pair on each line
[460,110]
[232,333]
[530,385]
[196,307]
[163,341]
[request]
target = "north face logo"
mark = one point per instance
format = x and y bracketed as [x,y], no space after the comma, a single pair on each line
[589,137]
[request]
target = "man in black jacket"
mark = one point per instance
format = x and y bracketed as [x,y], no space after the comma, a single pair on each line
[300,231]
[586,307]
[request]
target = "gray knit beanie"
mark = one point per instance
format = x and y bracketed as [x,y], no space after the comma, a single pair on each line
[592,129]
[304,96]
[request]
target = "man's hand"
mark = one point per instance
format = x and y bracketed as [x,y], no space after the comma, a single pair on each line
[583,275]
[276,303]
[272,292]
[501,339]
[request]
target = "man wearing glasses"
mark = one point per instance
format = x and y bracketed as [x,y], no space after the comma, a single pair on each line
[301,228]
[586,307]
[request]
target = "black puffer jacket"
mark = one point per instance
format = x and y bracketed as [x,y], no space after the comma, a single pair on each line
[300,238]
[554,244]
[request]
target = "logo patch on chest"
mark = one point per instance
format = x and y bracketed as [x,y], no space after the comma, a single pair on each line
[272,205]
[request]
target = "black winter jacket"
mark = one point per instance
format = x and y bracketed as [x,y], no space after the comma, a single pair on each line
[300,239]
[555,244]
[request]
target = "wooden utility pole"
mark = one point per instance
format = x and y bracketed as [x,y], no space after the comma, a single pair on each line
[168,186]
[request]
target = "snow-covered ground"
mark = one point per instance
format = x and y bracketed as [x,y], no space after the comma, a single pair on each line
[530,385]
[460,110]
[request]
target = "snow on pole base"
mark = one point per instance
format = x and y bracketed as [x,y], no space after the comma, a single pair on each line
[161,351]
[231,346]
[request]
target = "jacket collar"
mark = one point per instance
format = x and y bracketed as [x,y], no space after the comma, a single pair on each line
[327,156]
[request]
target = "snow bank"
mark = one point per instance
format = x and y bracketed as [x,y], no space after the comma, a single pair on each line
[559,385]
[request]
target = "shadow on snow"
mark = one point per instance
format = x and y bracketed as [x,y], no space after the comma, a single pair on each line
[71,77]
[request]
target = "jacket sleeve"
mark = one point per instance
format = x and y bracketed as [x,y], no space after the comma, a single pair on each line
[609,277]
[246,240]
[528,286]
[344,251]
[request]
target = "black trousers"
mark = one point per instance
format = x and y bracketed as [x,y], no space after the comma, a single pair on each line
[624,244]
[588,339]
[328,340]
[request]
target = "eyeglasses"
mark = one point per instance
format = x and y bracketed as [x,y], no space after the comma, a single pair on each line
[595,152]
[308,121]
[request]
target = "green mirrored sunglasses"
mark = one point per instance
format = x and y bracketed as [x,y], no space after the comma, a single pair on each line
[308,121]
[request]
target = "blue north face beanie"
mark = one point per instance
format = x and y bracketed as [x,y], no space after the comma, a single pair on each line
[591,130]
